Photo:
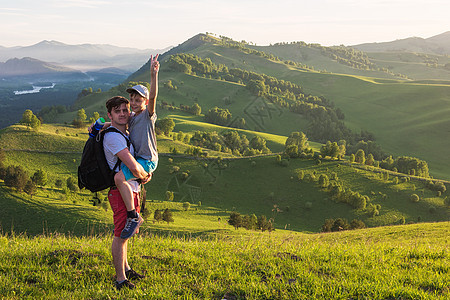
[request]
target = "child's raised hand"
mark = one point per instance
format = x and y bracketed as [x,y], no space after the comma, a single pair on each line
[154,64]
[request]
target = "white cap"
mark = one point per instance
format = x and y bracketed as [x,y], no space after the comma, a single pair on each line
[142,90]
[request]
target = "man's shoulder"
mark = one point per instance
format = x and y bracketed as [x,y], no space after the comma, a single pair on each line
[114,134]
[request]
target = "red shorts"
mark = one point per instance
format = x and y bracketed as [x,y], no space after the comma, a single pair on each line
[120,210]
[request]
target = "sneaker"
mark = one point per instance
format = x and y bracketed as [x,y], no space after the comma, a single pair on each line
[132,274]
[125,283]
[131,227]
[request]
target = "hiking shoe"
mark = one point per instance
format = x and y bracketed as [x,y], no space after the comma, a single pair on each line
[124,283]
[132,274]
[131,226]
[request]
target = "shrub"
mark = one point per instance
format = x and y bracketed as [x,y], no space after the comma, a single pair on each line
[414,198]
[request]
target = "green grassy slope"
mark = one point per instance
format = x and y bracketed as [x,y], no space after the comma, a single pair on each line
[247,185]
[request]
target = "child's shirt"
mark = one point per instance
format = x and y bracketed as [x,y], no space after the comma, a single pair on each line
[142,135]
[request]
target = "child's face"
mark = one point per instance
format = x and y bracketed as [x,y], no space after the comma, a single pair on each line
[137,102]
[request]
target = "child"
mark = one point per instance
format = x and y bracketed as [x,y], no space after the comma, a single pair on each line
[143,137]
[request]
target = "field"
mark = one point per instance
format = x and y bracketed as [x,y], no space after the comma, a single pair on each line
[399,262]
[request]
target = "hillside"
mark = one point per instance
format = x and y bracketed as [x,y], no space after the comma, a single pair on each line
[393,110]
[438,44]
[33,68]
[259,186]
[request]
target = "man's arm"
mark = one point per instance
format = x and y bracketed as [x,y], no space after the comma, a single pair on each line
[154,69]
[135,168]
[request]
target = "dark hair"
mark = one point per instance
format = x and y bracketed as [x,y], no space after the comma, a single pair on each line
[116,102]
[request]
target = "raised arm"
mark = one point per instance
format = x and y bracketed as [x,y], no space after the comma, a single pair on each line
[154,70]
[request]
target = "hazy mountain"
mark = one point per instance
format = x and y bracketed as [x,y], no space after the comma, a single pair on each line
[439,44]
[30,67]
[83,57]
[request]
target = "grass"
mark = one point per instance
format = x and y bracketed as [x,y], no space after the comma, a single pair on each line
[400,262]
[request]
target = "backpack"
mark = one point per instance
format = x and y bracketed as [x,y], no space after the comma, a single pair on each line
[94,172]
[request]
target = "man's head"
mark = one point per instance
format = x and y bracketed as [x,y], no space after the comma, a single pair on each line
[118,110]
[138,98]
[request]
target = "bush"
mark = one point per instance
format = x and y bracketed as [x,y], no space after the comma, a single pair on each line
[414,198]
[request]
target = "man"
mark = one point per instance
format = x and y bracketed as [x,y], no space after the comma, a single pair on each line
[115,147]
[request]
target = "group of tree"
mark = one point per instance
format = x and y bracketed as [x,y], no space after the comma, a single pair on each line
[194,109]
[49,113]
[297,145]
[218,116]
[333,149]
[326,120]
[31,120]
[16,177]
[250,222]
[87,91]
[165,215]
[230,142]
[403,164]
[340,224]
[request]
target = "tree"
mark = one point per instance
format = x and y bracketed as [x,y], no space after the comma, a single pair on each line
[30,188]
[186,205]
[167,216]
[81,115]
[263,224]
[330,149]
[235,220]
[370,160]
[360,156]
[157,215]
[169,195]
[357,224]
[39,177]
[2,157]
[297,139]
[166,125]
[35,123]
[16,177]
[196,109]
[414,198]
[324,181]
[340,224]
[72,184]
[27,117]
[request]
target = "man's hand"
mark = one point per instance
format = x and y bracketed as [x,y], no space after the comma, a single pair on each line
[147,179]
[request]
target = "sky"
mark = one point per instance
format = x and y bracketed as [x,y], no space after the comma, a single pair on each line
[148,24]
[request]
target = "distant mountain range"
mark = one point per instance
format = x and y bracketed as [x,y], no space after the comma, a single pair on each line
[31,67]
[439,44]
[85,57]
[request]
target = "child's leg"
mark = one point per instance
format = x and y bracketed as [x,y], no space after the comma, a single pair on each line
[125,190]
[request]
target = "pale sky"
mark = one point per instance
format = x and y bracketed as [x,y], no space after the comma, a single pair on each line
[152,24]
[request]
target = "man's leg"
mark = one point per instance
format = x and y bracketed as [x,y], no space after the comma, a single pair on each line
[119,253]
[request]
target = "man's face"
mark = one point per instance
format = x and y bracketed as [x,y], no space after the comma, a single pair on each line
[119,115]
[137,102]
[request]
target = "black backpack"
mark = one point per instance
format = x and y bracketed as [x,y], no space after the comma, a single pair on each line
[94,173]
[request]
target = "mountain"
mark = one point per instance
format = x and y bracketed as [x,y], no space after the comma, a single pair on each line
[84,57]
[30,67]
[439,44]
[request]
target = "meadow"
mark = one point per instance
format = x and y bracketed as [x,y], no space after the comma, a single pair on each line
[398,262]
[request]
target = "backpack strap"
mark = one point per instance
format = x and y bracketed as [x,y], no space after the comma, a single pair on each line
[113,129]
